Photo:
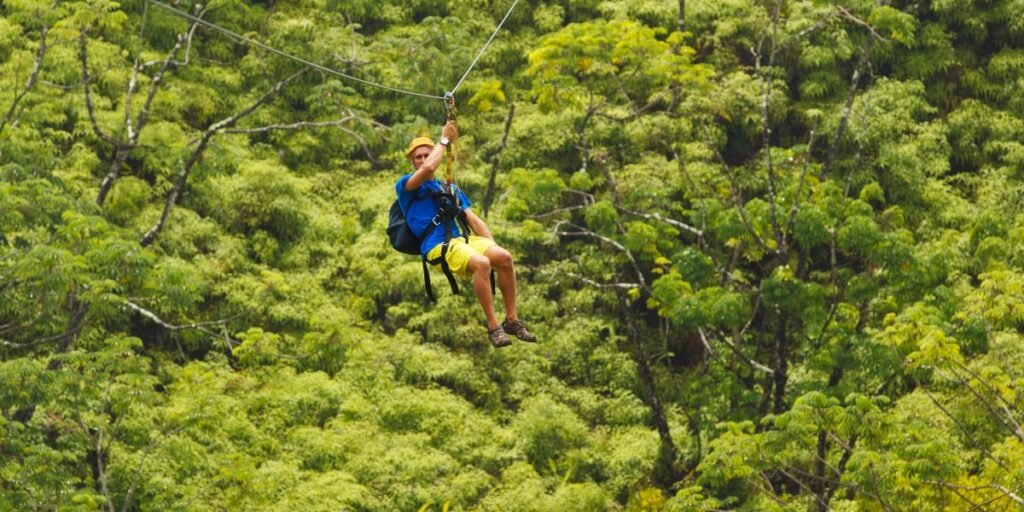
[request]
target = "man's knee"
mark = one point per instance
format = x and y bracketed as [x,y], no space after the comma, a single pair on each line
[479,263]
[499,257]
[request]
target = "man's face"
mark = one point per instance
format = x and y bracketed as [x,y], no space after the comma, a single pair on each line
[419,155]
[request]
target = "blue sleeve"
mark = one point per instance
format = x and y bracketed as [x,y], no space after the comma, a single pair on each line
[404,196]
[464,200]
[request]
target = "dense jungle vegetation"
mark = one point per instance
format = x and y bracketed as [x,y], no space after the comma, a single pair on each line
[774,250]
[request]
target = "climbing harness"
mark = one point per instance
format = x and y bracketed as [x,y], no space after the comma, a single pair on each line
[449,214]
[449,200]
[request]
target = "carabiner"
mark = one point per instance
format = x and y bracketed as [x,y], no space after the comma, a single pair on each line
[449,105]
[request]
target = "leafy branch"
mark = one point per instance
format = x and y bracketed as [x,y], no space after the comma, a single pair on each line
[197,154]
[581,232]
[33,77]
[132,128]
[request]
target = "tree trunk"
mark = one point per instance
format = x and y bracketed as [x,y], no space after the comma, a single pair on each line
[665,471]
[682,16]
[489,195]
[780,355]
[844,118]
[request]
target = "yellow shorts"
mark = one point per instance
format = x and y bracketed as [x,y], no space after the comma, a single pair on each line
[459,252]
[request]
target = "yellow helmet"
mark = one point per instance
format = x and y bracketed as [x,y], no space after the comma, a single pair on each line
[417,142]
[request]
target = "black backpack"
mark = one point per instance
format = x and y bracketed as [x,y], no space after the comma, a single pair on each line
[401,236]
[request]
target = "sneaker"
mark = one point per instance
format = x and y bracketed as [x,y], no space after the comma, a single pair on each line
[518,329]
[498,337]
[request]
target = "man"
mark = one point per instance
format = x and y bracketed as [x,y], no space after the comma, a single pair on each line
[475,258]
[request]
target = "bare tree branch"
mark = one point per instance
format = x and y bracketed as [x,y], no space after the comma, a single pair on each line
[588,198]
[199,326]
[767,84]
[681,163]
[72,331]
[83,57]
[557,211]
[850,16]
[844,117]
[188,43]
[737,199]
[581,129]
[496,159]
[669,452]
[55,85]
[126,505]
[208,134]
[800,185]
[154,84]
[100,452]
[1009,422]
[33,76]
[78,311]
[337,123]
[293,126]
[963,428]
[124,147]
[1004,490]
[848,448]
[736,350]
[800,35]
[804,486]
[660,217]
[1002,403]
[33,343]
[613,185]
[229,342]
[753,315]
[591,282]
[734,257]
[984,382]
[581,232]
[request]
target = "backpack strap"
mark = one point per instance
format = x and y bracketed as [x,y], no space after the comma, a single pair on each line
[426,271]
[426,281]
[448,214]
[443,260]
[445,220]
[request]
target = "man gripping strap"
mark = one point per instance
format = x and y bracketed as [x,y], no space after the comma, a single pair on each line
[468,250]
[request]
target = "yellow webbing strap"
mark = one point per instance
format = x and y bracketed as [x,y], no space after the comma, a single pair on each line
[451,152]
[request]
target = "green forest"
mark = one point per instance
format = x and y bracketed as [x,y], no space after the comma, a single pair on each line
[773,251]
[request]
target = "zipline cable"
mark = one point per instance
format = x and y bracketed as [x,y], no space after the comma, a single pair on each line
[488,43]
[326,69]
[295,58]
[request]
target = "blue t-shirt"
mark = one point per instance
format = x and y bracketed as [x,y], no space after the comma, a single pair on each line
[419,209]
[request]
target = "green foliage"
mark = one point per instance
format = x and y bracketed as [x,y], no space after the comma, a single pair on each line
[773,253]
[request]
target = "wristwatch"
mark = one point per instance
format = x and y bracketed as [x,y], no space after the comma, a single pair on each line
[443,140]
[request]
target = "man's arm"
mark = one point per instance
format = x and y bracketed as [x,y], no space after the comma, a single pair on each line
[426,171]
[477,224]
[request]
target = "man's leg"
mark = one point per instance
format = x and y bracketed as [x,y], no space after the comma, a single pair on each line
[480,266]
[501,260]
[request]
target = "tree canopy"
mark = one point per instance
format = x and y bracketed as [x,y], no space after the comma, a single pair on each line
[772,248]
